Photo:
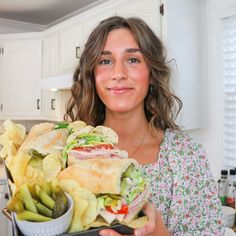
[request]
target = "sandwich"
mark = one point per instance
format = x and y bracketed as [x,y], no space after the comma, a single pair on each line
[119,185]
[92,142]
[45,138]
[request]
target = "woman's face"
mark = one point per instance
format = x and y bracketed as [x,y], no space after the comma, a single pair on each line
[122,75]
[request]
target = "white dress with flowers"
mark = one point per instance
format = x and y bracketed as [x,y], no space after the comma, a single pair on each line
[182,187]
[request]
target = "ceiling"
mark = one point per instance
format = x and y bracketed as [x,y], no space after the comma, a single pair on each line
[42,12]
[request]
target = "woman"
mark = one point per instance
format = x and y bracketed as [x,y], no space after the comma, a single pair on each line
[123,82]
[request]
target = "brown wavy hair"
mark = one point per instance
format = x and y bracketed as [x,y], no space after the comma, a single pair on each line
[161,105]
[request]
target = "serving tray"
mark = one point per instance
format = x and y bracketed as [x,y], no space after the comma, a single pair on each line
[122,229]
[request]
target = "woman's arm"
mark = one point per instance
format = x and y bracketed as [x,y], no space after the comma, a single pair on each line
[154,227]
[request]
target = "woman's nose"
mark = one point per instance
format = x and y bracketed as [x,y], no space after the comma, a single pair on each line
[119,71]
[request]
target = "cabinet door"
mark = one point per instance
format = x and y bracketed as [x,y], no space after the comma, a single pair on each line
[71,40]
[49,104]
[54,104]
[50,55]
[21,78]
[94,19]
[147,10]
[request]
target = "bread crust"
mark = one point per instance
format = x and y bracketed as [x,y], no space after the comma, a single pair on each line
[44,138]
[99,175]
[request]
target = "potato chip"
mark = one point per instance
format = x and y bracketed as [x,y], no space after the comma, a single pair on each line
[18,167]
[11,139]
[33,175]
[80,207]
[84,216]
[16,132]
[51,166]
[8,149]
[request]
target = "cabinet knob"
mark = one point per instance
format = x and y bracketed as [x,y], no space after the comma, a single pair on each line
[53,104]
[77,52]
[38,104]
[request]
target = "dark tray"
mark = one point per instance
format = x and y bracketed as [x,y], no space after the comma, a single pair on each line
[122,229]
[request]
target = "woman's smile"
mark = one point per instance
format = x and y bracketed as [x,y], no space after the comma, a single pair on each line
[117,90]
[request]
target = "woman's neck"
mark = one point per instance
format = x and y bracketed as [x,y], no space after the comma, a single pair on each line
[127,124]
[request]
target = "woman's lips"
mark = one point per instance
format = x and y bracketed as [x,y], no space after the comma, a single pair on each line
[119,90]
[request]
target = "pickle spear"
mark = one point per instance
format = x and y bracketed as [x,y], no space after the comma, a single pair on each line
[61,202]
[26,198]
[42,209]
[44,197]
[32,216]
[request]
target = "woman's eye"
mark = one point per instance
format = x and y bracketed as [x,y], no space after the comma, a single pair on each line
[105,62]
[133,60]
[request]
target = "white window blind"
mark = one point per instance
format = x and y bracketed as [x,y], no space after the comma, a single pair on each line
[229,74]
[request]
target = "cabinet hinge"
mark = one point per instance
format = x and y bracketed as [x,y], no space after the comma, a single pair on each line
[1,107]
[162,9]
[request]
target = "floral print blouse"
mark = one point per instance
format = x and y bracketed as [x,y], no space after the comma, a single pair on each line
[183,189]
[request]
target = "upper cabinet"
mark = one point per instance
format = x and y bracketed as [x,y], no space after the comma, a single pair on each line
[50,55]
[71,42]
[20,77]
[61,50]
[63,44]
[148,10]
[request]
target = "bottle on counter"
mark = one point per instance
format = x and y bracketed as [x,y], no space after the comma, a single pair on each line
[231,189]
[222,186]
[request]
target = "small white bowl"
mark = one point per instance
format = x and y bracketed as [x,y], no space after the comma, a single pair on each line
[229,214]
[48,228]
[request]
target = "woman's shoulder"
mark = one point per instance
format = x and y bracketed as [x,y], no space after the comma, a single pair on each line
[180,142]
[178,137]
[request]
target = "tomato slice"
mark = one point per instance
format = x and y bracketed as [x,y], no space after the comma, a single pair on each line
[123,210]
[99,146]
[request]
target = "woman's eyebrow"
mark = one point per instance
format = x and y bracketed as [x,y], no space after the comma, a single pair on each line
[133,50]
[129,50]
[105,53]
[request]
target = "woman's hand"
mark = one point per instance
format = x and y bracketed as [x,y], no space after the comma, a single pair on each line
[155,225]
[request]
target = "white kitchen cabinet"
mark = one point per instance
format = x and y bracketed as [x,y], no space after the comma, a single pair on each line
[70,46]
[54,104]
[61,51]
[147,10]
[20,78]
[49,104]
[51,55]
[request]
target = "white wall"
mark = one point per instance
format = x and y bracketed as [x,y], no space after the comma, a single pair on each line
[212,132]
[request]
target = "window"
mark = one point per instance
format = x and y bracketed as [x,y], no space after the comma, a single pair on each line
[229,75]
